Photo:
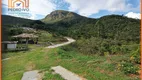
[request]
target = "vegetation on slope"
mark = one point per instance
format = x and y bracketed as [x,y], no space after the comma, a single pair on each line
[10,20]
[109,27]
[108,35]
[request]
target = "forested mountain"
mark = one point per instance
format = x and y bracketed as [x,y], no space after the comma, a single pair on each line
[111,26]
[111,34]
[108,35]
[66,23]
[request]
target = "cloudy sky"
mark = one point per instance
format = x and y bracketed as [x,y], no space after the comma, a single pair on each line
[89,8]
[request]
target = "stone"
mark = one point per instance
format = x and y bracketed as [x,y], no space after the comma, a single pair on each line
[66,74]
[31,75]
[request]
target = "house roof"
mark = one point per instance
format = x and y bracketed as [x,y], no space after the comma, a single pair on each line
[25,35]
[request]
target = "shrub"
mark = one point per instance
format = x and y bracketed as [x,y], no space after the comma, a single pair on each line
[64,55]
[68,47]
[129,68]
[135,56]
[115,49]
[124,49]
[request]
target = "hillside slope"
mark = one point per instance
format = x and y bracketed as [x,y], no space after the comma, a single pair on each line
[14,20]
[10,23]
[59,15]
[111,26]
[71,24]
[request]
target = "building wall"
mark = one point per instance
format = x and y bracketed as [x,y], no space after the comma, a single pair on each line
[4,47]
[11,46]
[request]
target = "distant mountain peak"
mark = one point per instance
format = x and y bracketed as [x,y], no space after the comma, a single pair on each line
[58,15]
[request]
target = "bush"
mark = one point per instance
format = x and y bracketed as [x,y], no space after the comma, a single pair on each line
[64,55]
[129,68]
[135,56]
[68,47]
[124,49]
[15,31]
[115,49]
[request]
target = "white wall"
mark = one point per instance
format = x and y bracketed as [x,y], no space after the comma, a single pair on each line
[11,46]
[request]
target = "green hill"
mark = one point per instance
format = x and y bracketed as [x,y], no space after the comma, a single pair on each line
[10,20]
[66,23]
[71,24]
[11,25]
[106,36]
[111,34]
[111,26]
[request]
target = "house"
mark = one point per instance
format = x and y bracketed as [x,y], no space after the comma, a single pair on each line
[9,45]
[17,45]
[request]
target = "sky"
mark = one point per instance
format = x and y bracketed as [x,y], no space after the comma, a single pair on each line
[38,9]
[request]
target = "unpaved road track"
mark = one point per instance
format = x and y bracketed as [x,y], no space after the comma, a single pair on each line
[70,40]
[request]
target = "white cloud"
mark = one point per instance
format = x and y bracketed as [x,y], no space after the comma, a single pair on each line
[42,7]
[133,15]
[5,2]
[89,7]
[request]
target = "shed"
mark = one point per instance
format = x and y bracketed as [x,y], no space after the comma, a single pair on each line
[9,45]
[26,36]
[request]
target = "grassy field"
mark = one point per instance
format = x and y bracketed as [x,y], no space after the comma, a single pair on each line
[92,67]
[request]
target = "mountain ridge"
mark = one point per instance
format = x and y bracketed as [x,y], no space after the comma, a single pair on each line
[72,24]
[58,15]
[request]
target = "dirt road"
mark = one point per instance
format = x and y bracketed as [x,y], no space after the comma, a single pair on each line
[70,40]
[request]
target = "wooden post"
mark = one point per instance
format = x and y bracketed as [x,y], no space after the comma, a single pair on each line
[36,40]
[27,40]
